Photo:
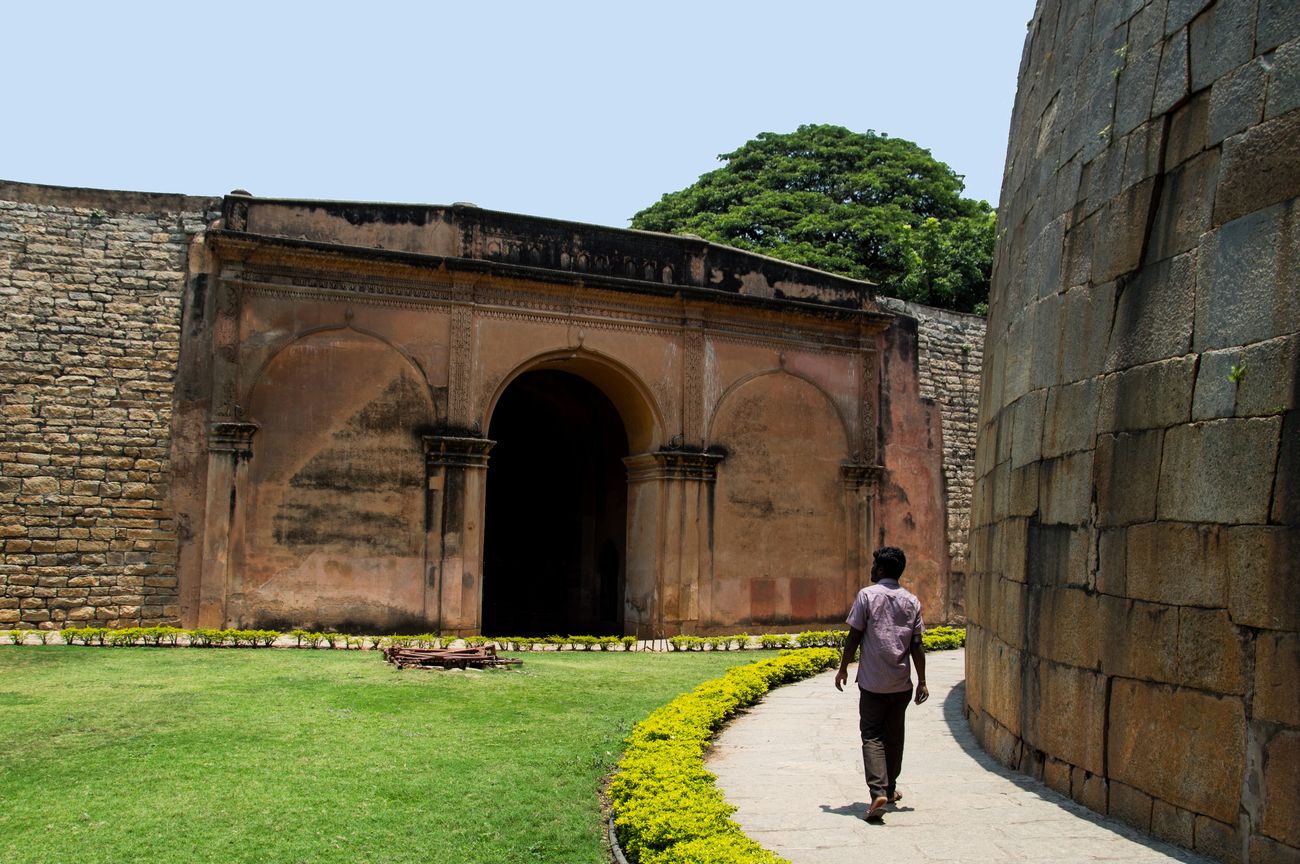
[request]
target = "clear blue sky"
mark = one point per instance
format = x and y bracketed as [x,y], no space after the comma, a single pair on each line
[585,111]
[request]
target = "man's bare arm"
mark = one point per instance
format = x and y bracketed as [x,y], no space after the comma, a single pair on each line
[918,660]
[851,644]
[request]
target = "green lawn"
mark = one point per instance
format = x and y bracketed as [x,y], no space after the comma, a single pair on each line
[192,755]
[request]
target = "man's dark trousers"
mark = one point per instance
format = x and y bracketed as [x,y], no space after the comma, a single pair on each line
[880,719]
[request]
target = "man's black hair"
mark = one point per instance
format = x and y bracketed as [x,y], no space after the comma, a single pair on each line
[891,561]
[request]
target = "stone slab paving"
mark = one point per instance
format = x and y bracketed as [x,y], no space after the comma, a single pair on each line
[793,767]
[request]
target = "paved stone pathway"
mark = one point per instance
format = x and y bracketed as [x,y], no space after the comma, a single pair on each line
[793,767]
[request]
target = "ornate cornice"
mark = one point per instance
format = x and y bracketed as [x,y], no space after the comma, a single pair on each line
[855,475]
[456,451]
[699,465]
[232,436]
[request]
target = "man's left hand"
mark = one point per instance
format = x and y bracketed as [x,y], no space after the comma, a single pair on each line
[840,677]
[922,693]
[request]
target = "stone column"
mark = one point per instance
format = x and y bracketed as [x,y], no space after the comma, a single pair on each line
[230,446]
[456,468]
[670,573]
[859,479]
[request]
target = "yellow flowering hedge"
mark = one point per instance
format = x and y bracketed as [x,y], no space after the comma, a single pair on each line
[667,809]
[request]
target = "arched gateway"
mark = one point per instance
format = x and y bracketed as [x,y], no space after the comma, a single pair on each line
[445,418]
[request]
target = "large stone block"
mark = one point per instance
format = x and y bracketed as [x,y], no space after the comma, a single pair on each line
[1068,626]
[1130,805]
[1277,671]
[1178,564]
[1171,80]
[1216,385]
[1237,100]
[1211,651]
[1201,760]
[1001,692]
[1139,640]
[1009,601]
[1070,422]
[1263,850]
[1188,128]
[1220,40]
[1281,790]
[1219,840]
[1071,715]
[1186,206]
[1278,22]
[1088,315]
[1022,500]
[1284,81]
[1154,314]
[1137,84]
[1151,396]
[1027,428]
[1112,561]
[1172,824]
[1127,467]
[1219,471]
[1065,489]
[1117,246]
[1270,379]
[1046,349]
[1259,167]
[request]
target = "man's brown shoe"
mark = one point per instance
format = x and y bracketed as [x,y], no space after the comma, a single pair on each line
[877,810]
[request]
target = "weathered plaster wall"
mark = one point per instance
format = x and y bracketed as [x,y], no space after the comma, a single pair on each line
[90,287]
[1133,600]
[949,350]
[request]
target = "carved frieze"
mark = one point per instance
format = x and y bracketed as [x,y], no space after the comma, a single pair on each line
[460,371]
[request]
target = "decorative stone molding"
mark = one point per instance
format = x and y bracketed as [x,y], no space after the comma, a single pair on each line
[855,475]
[232,436]
[454,451]
[701,465]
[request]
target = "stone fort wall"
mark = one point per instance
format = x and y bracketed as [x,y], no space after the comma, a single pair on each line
[91,291]
[1133,600]
[90,321]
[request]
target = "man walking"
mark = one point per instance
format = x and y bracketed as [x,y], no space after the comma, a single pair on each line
[886,621]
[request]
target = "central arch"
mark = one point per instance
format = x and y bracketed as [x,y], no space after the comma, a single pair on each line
[555,539]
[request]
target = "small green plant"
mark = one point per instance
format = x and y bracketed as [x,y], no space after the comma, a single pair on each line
[629,643]
[943,638]
[1237,373]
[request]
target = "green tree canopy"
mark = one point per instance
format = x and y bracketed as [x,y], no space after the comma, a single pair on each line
[861,204]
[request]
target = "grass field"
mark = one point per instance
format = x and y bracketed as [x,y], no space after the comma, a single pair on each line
[190,755]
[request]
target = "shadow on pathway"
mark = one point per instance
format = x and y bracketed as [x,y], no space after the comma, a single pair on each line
[792,766]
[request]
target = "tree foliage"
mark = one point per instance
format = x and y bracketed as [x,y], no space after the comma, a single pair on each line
[861,204]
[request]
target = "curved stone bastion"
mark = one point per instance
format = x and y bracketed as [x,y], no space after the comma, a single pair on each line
[1133,598]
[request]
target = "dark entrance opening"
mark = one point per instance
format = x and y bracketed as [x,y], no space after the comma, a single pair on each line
[555,540]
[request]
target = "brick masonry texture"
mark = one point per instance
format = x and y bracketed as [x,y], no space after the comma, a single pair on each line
[90,308]
[1132,593]
[950,346]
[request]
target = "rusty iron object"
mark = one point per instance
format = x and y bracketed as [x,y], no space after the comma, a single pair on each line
[480,657]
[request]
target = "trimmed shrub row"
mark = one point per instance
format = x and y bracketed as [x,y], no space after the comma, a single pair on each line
[936,639]
[667,809]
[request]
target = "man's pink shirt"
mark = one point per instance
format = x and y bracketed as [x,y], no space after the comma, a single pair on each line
[889,617]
